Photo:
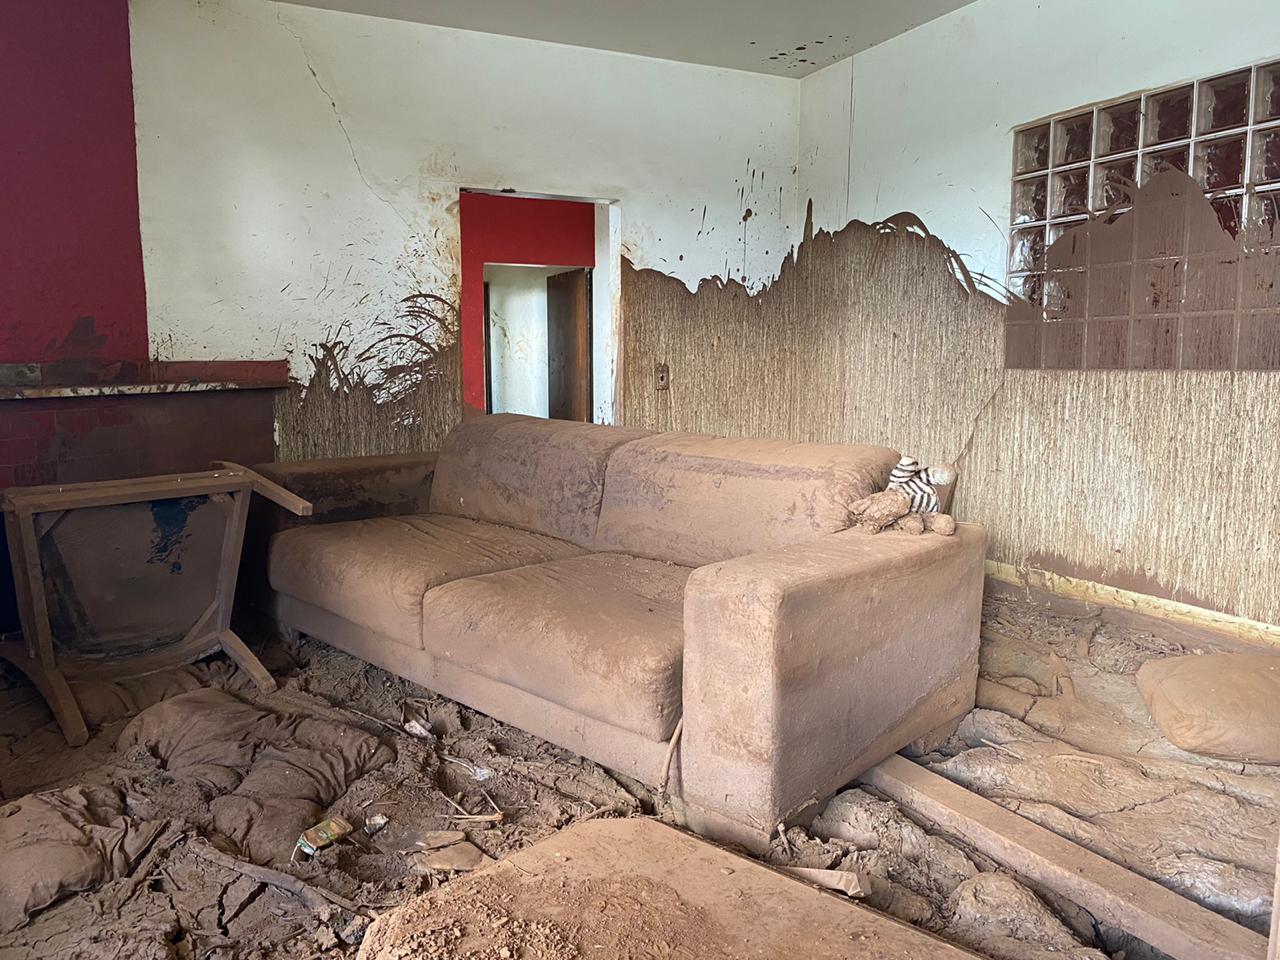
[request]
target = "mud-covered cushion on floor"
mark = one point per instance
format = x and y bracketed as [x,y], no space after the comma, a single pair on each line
[374,572]
[1223,705]
[268,775]
[56,843]
[600,634]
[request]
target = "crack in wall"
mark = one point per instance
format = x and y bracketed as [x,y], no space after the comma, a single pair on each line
[333,104]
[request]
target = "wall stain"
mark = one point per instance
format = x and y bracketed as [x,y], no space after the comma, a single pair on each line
[1163,279]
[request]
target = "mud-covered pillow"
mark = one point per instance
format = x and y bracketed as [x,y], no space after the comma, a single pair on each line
[1223,705]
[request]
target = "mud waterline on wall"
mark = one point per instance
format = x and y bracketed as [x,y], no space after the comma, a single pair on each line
[1147,480]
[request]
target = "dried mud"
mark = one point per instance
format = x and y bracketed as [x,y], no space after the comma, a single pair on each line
[1060,735]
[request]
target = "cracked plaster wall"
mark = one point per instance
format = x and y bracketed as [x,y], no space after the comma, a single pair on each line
[299,168]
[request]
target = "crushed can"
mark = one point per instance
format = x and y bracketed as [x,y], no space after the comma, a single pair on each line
[326,832]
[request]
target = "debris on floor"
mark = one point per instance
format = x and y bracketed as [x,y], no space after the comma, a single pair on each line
[269,776]
[636,889]
[220,782]
[64,841]
[199,788]
[929,881]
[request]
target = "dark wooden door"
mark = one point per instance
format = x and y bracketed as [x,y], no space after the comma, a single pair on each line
[569,345]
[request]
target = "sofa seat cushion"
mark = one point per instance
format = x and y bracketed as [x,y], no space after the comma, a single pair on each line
[600,634]
[375,572]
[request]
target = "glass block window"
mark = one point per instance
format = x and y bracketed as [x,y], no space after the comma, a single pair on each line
[1224,131]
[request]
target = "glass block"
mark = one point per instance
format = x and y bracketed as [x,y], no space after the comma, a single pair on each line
[1158,161]
[1030,287]
[1031,149]
[1168,116]
[1115,182]
[1026,250]
[1030,199]
[1065,293]
[1266,156]
[1228,211]
[1264,218]
[1224,103]
[1070,194]
[1118,128]
[1056,230]
[1220,163]
[1071,253]
[1267,97]
[1072,138]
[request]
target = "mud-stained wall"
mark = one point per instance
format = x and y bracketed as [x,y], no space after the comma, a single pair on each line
[1145,480]
[399,394]
[335,417]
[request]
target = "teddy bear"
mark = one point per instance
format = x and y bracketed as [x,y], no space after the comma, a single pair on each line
[909,502]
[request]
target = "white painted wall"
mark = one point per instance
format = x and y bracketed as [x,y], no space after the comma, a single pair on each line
[299,168]
[518,338]
[934,109]
[826,103]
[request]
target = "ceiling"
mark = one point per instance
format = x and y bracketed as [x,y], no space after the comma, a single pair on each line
[789,38]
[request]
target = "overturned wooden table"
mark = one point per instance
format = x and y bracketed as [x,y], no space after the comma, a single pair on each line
[121,578]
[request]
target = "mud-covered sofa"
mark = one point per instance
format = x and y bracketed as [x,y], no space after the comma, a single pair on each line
[594,585]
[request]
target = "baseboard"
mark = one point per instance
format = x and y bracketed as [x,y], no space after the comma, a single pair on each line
[1195,619]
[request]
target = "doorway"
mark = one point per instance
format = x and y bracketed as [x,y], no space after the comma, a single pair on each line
[538,341]
[527,291]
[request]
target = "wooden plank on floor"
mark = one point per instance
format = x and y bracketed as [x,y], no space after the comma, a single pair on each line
[1168,921]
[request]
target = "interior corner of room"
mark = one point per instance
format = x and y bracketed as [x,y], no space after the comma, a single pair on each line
[521,479]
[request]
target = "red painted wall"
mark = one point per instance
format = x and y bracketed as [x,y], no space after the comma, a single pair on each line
[71,284]
[520,230]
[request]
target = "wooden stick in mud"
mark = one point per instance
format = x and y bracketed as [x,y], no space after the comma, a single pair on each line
[314,897]
[144,867]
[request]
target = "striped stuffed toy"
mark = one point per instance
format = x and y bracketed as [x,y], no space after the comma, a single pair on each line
[920,484]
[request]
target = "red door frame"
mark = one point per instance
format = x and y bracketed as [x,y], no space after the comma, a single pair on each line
[516,230]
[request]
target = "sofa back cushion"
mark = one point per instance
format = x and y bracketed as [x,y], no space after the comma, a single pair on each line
[693,500]
[546,476]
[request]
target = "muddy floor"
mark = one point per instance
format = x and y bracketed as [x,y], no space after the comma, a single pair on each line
[1060,735]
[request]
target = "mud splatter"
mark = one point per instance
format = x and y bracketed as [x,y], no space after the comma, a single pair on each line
[1202,305]
[401,392]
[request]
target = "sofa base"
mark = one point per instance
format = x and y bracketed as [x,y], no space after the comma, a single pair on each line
[611,746]
[934,713]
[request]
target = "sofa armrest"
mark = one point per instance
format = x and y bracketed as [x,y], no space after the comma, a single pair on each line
[807,665]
